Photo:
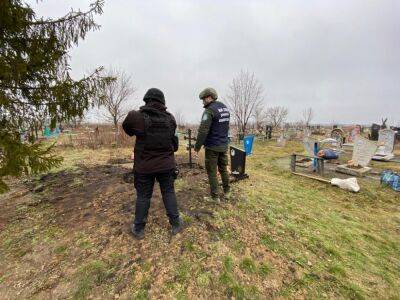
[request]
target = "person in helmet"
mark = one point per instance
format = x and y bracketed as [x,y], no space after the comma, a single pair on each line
[154,158]
[213,135]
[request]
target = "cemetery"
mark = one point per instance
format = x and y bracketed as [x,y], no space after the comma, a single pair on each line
[91,191]
[189,150]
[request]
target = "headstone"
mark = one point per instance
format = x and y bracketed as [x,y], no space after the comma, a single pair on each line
[397,130]
[354,133]
[363,152]
[281,141]
[386,142]
[374,132]
[268,132]
[238,162]
[386,136]
[338,135]
[308,144]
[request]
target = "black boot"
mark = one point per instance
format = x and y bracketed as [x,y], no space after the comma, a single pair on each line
[137,233]
[177,227]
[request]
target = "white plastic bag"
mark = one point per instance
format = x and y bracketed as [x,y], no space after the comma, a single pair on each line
[349,184]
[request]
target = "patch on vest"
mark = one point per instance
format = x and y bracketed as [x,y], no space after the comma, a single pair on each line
[205,117]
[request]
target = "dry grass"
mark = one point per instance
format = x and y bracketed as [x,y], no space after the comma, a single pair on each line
[280,236]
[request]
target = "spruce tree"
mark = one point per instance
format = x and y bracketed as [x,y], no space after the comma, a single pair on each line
[36,85]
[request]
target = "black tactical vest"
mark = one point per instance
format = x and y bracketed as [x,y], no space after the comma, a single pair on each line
[218,134]
[158,135]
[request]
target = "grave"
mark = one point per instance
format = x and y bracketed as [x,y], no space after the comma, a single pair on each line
[363,151]
[291,133]
[373,136]
[238,163]
[281,141]
[268,132]
[188,136]
[339,135]
[309,147]
[48,133]
[354,133]
[386,142]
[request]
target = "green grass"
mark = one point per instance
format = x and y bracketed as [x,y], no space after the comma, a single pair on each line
[265,269]
[89,276]
[204,279]
[183,271]
[248,265]
[62,249]
[347,236]
[302,237]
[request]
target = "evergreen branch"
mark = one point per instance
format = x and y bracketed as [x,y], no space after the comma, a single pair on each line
[96,7]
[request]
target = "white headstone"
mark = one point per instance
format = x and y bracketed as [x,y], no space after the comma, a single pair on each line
[363,151]
[281,141]
[386,137]
[308,144]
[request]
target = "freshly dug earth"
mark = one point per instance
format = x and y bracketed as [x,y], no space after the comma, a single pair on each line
[68,234]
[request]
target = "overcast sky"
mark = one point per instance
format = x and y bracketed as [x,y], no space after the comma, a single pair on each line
[342,58]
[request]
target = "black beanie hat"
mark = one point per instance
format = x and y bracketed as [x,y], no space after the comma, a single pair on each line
[154,94]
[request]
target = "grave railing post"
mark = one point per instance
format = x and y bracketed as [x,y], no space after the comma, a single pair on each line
[293,163]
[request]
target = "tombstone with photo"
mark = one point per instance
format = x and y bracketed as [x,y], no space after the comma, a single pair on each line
[354,133]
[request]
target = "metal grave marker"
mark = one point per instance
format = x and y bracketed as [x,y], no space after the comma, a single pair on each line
[238,163]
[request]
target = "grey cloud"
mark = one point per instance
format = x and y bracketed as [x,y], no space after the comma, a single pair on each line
[339,57]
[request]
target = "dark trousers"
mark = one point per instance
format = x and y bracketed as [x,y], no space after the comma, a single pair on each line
[144,184]
[214,161]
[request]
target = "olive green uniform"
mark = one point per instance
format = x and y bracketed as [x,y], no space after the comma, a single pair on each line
[216,157]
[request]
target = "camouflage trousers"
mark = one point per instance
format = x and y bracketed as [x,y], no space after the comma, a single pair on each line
[217,161]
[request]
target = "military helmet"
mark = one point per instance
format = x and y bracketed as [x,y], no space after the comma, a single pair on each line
[208,92]
[154,94]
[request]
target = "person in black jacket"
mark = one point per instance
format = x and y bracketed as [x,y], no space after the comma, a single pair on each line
[154,158]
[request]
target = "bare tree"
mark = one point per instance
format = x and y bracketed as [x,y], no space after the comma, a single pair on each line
[116,95]
[180,119]
[308,115]
[244,98]
[259,118]
[276,115]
